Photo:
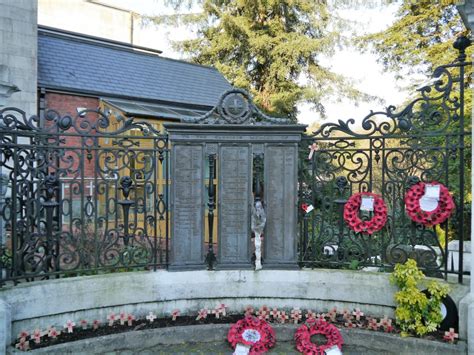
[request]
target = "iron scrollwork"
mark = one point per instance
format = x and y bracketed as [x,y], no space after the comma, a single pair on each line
[386,152]
[235,106]
[83,195]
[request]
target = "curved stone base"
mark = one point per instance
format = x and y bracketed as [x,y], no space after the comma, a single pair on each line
[51,303]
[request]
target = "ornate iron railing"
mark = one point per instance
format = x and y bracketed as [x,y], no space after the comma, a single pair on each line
[386,153]
[81,195]
[89,194]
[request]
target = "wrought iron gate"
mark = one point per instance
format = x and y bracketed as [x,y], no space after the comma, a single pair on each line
[89,194]
[386,153]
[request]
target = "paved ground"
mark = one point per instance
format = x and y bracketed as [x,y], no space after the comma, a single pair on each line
[224,349]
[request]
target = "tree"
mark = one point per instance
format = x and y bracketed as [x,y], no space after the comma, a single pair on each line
[271,48]
[420,39]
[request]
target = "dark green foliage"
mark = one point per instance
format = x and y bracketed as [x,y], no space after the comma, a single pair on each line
[423,34]
[272,48]
[420,40]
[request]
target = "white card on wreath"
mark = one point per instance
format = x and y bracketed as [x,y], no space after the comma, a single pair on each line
[428,204]
[432,191]
[333,350]
[241,349]
[367,204]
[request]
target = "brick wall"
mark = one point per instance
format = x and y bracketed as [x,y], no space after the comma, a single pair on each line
[67,105]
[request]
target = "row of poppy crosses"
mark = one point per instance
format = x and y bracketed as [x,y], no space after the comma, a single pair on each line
[350,319]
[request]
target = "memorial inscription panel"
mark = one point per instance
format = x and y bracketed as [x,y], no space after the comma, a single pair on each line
[234,211]
[187,213]
[280,202]
[235,148]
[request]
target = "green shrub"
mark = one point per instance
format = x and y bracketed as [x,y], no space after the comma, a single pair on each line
[416,313]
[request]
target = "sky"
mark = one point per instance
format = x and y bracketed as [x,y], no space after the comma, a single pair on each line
[362,68]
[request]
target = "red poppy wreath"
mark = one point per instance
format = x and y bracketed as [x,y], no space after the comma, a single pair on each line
[305,332]
[432,214]
[256,333]
[351,213]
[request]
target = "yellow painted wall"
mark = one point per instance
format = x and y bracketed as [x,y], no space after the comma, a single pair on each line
[157,123]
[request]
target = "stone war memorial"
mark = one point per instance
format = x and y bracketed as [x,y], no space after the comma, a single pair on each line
[132,224]
[254,160]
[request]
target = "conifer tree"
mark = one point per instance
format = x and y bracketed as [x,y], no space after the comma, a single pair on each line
[271,48]
[420,39]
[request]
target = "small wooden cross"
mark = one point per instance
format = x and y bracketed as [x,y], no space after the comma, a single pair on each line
[151,317]
[357,313]
[312,149]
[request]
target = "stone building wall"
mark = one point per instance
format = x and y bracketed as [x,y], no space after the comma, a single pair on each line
[89,18]
[18,53]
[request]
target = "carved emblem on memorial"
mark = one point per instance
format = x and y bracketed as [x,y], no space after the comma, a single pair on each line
[235,106]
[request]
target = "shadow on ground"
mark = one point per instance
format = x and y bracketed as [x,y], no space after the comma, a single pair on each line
[225,349]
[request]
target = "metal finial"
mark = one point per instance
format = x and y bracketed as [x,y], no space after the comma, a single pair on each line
[461,43]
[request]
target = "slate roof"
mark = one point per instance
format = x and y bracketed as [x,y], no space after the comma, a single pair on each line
[78,64]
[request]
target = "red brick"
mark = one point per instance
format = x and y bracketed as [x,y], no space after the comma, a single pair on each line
[67,105]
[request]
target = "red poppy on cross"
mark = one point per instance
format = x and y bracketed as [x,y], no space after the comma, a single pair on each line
[95,324]
[123,318]
[332,314]
[202,314]
[83,323]
[23,334]
[307,208]
[222,309]
[36,336]
[248,311]
[53,333]
[358,313]
[69,326]
[296,315]
[451,335]
[263,315]
[275,313]
[23,344]
[175,314]
[373,324]
[349,324]
[111,318]
[283,317]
